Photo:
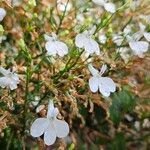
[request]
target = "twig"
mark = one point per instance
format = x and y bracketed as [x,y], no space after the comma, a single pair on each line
[62,17]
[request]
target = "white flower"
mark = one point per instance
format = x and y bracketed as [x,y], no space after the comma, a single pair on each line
[138,47]
[84,40]
[119,37]
[50,126]
[62,5]
[2,13]
[104,84]
[54,46]
[102,38]
[110,7]
[10,79]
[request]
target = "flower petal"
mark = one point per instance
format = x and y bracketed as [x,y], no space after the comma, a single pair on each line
[4,71]
[147,36]
[80,40]
[99,2]
[62,48]
[110,7]
[103,69]
[38,127]
[118,39]
[12,85]
[2,13]
[50,134]
[93,70]
[106,86]
[4,82]
[93,84]
[92,46]
[61,128]
[47,38]
[51,48]
[52,111]
[139,47]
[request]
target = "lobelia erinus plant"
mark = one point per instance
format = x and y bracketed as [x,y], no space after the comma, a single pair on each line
[50,54]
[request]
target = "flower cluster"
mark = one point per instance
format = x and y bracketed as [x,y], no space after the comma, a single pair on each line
[89,40]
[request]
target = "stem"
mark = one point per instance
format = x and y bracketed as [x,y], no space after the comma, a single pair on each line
[26,98]
[103,24]
[10,140]
[62,17]
[68,68]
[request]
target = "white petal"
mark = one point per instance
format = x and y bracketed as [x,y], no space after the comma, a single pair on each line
[118,39]
[80,40]
[8,82]
[127,30]
[2,13]
[139,47]
[51,48]
[39,126]
[147,36]
[47,38]
[142,27]
[102,39]
[52,111]
[15,78]
[92,46]
[93,84]
[137,36]
[110,7]
[54,35]
[4,71]
[13,85]
[50,134]
[4,82]
[92,30]
[103,69]
[99,2]
[93,70]
[104,92]
[106,86]
[61,128]
[62,48]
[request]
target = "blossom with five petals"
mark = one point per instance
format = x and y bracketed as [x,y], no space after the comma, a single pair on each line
[137,46]
[50,126]
[84,40]
[110,7]
[104,84]
[10,79]
[54,46]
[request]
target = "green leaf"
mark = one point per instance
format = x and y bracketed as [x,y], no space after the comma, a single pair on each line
[118,143]
[122,103]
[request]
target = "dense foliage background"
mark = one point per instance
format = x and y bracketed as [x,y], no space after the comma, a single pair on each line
[118,122]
